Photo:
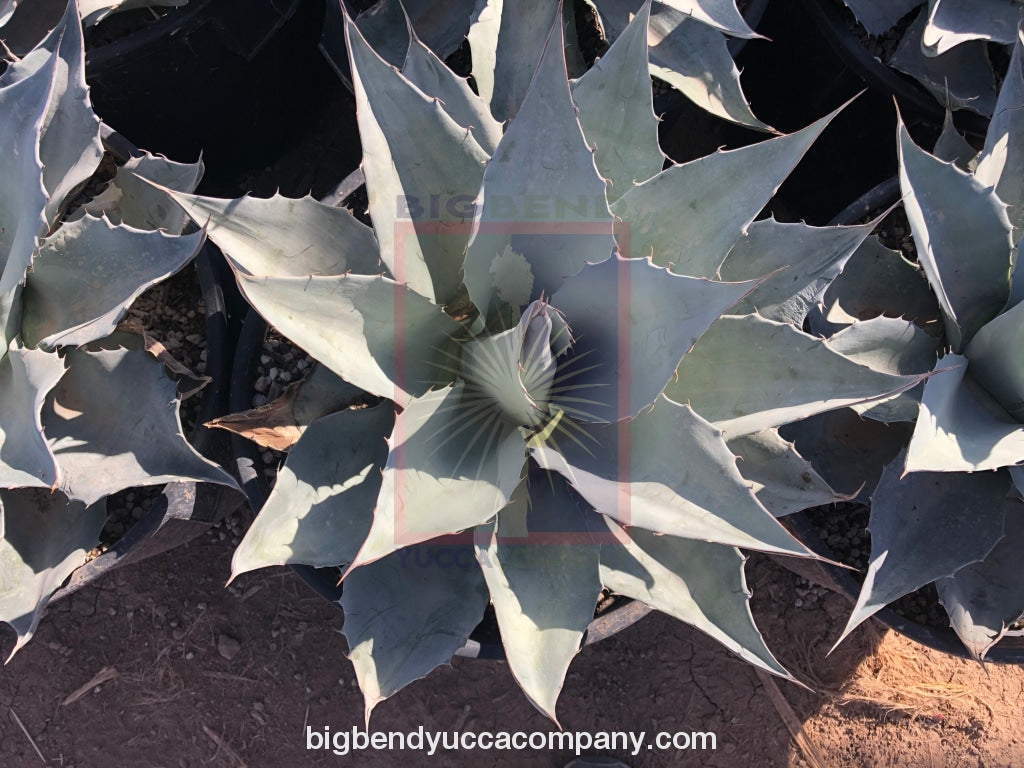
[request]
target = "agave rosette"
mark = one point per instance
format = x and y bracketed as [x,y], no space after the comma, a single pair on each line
[544,364]
[947,510]
[83,410]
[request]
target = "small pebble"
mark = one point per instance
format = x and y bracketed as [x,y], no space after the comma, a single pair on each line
[228,647]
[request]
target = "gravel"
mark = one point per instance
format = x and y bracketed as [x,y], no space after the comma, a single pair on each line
[883,46]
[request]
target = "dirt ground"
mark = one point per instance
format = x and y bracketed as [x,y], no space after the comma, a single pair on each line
[200,675]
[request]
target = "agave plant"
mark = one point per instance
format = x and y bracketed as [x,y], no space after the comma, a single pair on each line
[84,412]
[944,48]
[689,48]
[946,510]
[558,370]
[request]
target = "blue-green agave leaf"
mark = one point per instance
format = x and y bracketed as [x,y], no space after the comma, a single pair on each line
[986,598]
[689,216]
[632,323]
[46,537]
[798,375]
[952,147]
[128,200]
[375,333]
[86,274]
[447,445]
[514,35]
[1002,159]
[384,26]
[22,195]
[285,237]
[512,278]
[440,24]
[963,239]
[876,281]
[484,30]
[407,614]
[694,581]
[541,195]
[723,15]
[7,8]
[996,360]
[670,471]
[689,55]
[26,376]
[322,393]
[414,153]
[69,139]
[614,102]
[892,346]
[1017,473]
[809,258]
[695,59]
[906,513]
[542,572]
[962,78]
[112,423]
[783,480]
[427,72]
[847,450]
[321,507]
[961,428]
[879,16]
[952,22]
[514,370]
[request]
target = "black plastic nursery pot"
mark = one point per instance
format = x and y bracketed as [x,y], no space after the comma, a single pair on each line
[238,81]
[184,510]
[1009,650]
[916,104]
[485,642]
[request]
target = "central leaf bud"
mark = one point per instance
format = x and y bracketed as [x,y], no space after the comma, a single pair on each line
[514,371]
